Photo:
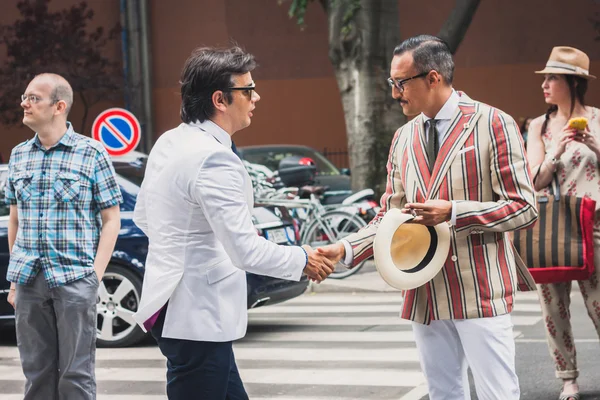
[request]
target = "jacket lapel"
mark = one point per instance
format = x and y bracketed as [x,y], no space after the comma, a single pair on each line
[461,126]
[418,158]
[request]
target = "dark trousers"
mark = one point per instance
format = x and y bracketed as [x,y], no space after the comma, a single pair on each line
[199,370]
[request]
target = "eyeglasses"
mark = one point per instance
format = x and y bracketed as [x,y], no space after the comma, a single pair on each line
[33,99]
[399,83]
[247,90]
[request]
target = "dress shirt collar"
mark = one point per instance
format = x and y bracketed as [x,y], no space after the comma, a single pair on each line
[215,130]
[68,139]
[448,110]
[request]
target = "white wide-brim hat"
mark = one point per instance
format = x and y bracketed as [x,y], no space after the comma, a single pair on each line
[409,255]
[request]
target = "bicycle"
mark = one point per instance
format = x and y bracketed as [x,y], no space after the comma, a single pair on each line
[319,225]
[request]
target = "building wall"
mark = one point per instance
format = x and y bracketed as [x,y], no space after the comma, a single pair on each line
[506,42]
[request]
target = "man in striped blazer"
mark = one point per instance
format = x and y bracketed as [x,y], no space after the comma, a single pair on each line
[459,161]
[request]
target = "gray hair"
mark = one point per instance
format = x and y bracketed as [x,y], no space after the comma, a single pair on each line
[429,53]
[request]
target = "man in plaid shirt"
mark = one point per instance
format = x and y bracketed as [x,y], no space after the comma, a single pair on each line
[64,221]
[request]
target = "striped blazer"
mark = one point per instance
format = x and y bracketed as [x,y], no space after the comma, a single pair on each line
[482,166]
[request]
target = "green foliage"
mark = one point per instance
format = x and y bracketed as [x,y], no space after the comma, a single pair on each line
[58,42]
[351,8]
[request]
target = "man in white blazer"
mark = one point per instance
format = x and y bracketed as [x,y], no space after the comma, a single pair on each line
[195,207]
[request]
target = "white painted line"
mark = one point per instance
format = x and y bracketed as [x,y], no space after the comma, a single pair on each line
[133,397]
[417,393]
[293,376]
[314,336]
[337,354]
[528,307]
[326,298]
[545,341]
[338,376]
[523,320]
[326,309]
[282,320]
[531,295]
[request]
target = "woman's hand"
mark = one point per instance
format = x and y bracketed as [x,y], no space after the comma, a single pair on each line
[589,139]
[566,136]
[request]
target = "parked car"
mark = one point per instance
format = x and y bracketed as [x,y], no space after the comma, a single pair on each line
[121,286]
[337,181]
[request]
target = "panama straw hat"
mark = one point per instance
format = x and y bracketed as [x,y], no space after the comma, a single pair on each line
[409,255]
[568,61]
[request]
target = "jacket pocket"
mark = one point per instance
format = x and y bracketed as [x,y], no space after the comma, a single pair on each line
[22,185]
[66,186]
[220,272]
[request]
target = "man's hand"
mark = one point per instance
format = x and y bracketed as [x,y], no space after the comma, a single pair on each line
[318,267]
[430,213]
[334,252]
[11,296]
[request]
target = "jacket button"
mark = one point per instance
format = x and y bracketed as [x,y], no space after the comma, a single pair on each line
[454,258]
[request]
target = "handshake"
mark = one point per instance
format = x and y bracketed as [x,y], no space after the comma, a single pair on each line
[321,262]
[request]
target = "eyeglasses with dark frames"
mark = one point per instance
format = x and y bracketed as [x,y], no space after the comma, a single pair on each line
[399,83]
[247,90]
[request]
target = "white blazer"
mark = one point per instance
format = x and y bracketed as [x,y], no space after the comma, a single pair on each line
[195,206]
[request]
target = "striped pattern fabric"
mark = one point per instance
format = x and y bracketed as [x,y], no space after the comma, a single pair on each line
[481,165]
[560,246]
[59,193]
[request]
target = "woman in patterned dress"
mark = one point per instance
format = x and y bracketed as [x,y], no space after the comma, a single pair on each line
[554,148]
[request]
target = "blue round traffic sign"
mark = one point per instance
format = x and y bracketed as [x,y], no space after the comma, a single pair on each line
[118,130]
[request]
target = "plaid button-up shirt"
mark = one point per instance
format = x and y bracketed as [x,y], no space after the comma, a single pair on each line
[59,193]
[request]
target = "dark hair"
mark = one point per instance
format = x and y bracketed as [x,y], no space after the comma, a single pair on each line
[429,52]
[578,87]
[206,71]
[523,127]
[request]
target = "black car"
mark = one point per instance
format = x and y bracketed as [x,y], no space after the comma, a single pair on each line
[119,292]
[270,156]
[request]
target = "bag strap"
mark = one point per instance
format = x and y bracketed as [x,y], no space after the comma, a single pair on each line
[554,185]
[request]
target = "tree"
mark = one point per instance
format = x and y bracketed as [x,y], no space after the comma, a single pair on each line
[59,42]
[362,38]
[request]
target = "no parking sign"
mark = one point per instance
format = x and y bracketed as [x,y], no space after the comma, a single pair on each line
[118,130]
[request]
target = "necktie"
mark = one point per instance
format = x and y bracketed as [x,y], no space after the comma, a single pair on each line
[432,143]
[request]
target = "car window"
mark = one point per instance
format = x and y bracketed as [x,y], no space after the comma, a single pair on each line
[270,158]
[4,208]
[132,171]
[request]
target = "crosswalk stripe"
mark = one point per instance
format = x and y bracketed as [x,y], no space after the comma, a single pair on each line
[329,336]
[417,393]
[272,376]
[327,298]
[108,396]
[337,354]
[376,298]
[339,376]
[326,309]
[282,320]
[295,329]
[333,336]
[353,308]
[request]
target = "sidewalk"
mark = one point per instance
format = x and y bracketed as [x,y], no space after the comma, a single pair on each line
[365,280]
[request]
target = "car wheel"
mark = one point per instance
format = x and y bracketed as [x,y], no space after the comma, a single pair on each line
[118,299]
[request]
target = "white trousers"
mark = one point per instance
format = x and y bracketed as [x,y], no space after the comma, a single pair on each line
[447,348]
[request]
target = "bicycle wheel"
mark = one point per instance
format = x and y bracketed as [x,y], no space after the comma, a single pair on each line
[329,228]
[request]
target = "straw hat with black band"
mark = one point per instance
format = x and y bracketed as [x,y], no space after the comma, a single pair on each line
[408,255]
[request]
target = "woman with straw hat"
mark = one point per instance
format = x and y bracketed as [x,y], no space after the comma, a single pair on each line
[571,152]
